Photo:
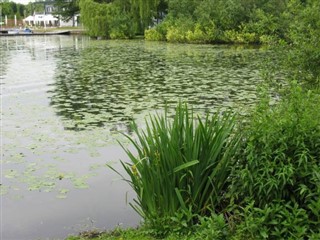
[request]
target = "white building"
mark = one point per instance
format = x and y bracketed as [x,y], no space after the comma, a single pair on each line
[48,20]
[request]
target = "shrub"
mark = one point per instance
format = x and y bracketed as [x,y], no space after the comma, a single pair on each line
[177,30]
[212,32]
[268,39]
[280,158]
[153,35]
[304,50]
[277,220]
[213,227]
[197,36]
[182,167]
[175,34]
[234,36]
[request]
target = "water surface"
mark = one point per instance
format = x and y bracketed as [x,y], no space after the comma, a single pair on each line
[64,101]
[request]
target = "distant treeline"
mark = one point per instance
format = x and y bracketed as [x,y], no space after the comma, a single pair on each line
[196,21]
[11,9]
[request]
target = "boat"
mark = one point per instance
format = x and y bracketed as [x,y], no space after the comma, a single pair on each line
[27,31]
[13,31]
[19,31]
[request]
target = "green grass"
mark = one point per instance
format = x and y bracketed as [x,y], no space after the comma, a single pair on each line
[209,228]
[116,234]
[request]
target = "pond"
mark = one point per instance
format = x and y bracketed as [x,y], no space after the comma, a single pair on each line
[66,99]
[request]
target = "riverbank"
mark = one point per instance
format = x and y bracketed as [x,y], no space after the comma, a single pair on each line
[72,30]
[143,234]
[120,234]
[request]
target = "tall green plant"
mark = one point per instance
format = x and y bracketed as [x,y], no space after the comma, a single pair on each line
[182,166]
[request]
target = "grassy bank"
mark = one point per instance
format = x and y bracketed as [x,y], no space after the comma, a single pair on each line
[131,234]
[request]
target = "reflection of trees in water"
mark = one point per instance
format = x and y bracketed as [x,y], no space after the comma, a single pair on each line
[4,58]
[99,86]
[106,84]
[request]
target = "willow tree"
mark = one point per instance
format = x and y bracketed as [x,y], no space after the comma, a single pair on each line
[119,18]
[107,19]
[95,17]
[147,10]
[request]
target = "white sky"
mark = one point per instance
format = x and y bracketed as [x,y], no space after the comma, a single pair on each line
[22,1]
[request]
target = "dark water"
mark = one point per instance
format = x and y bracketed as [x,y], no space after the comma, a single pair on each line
[64,100]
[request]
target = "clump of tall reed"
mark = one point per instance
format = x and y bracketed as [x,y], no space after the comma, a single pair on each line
[182,166]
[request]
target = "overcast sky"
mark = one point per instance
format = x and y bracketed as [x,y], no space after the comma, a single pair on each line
[22,1]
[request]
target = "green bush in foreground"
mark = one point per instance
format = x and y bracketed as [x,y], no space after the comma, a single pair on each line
[182,168]
[277,181]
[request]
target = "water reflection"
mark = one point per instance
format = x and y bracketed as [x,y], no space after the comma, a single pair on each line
[109,83]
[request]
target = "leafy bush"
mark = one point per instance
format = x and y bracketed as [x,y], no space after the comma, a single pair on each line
[196,36]
[242,36]
[268,39]
[280,158]
[304,51]
[277,220]
[153,35]
[175,34]
[213,227]
[177,31]
[182,168]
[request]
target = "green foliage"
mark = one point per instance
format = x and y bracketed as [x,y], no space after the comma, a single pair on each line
[213,227]
[279,163]
[177,32]
[242,36]
[108,20]
[304,52]
[121,26]
[10,9]
[277,220]
[66,9]
[146,9]
[268,39]
[182,168]
[243,21]
[117,18]
[208,228]
[153,35]
[197,36]
[95,17]
[186,30]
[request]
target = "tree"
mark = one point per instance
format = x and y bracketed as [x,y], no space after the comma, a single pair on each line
[67,9]
[10,9]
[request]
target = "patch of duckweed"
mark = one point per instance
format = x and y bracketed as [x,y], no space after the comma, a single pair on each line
[3,190]
[62,193]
